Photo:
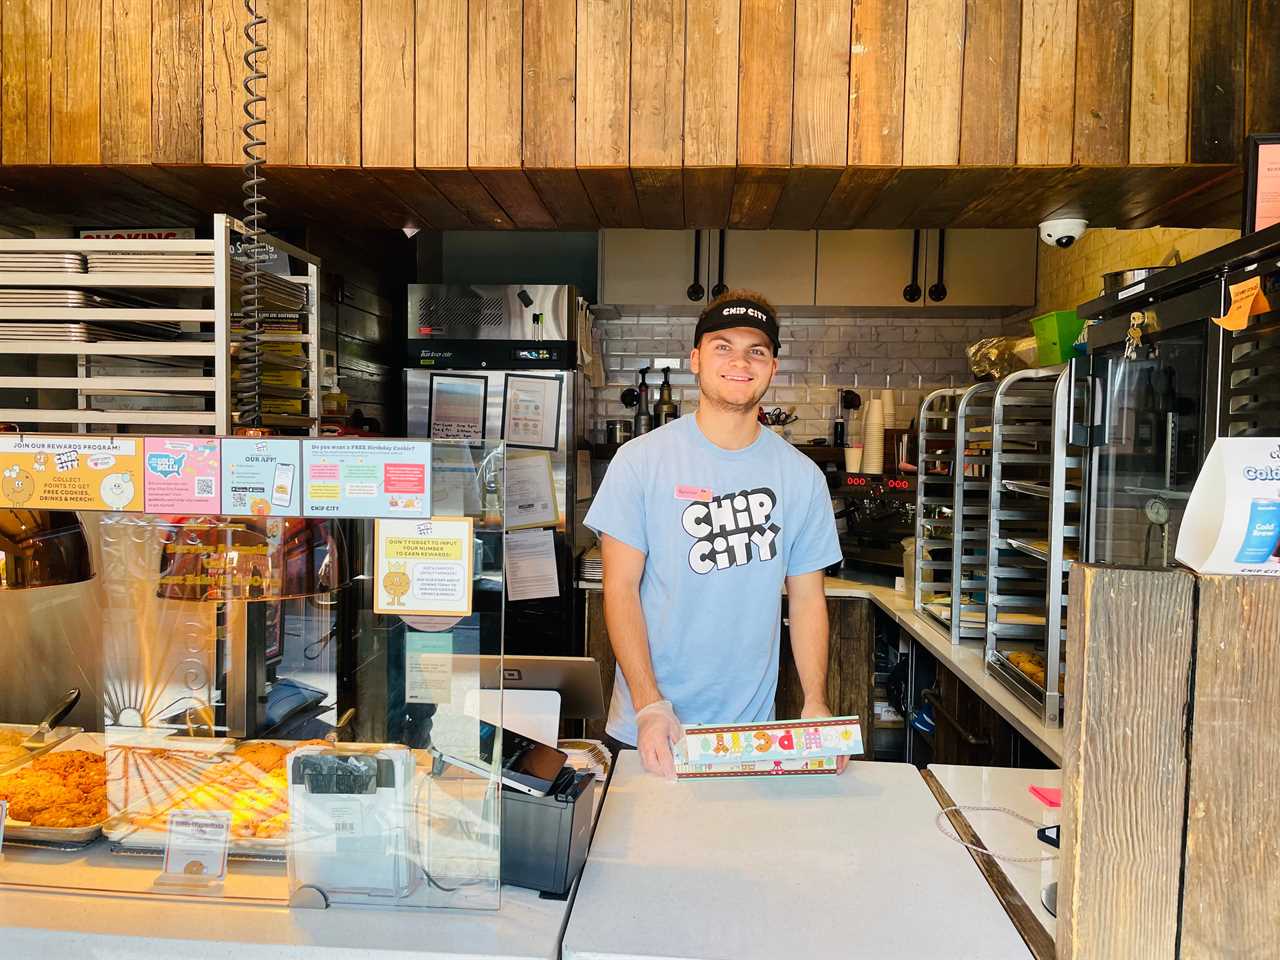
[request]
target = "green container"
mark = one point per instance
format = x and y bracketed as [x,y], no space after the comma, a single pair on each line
[1056,336]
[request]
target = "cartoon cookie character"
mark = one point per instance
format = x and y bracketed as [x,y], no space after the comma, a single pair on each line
[259,506]
[41,461]
[117,490]
[17,485]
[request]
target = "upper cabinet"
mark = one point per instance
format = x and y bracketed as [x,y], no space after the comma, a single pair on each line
[982,268]
[652,267]
[868,268]
[779,264]
[864,269]
[993,269]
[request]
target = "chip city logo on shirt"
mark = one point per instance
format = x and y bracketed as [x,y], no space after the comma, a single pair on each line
[731,529]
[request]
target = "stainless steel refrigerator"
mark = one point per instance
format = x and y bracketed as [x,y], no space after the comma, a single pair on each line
[480,337]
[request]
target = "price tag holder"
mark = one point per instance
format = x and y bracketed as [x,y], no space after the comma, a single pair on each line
[195,854]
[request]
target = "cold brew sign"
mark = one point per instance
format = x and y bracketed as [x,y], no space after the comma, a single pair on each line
[1232,523]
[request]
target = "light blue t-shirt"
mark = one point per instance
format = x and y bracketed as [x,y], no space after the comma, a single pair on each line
[721,531]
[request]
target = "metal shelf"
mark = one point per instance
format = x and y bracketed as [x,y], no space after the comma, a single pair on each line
[81,280]
[188,418]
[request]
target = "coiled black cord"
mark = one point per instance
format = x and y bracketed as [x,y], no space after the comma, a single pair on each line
[249,384]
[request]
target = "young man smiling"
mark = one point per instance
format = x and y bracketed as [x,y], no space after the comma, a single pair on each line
[702,522]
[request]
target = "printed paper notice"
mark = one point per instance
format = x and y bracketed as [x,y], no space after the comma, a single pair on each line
[424,567]
[457,406]
[366,478]
[1266,208]
[39,472]
[182,475]
[531,565]
[196,849]
[260,477]
[531,411]
[428,667]
[531,492]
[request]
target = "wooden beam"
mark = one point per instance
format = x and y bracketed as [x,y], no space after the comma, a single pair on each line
[765,79]
[935,72]
[708,195]
[413,189]
[1262,92]
[25,62]
[853,195]
[1220,29]
[464,191]
[657,110]
[223,68]
[387,80]
[126,81]
[989,95]
[804,196]
[756,192]
[660,196]
[604,85]
[613,196]
[76,92]
[287,95]
[176,94]
[877,81]
[1124,782]
[1104,63]
[820,121]
[512,191]
[440,108]
[1161,74]
[333,82]
[711,88]
[549,79]
[1047,81]
[1232,881]
[564,197]
[494,67]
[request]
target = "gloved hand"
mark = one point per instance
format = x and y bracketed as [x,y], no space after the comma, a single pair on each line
[657,728]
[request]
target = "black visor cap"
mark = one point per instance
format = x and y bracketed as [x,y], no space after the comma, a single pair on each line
[739,313]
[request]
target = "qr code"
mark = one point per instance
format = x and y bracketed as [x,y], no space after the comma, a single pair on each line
[204,487]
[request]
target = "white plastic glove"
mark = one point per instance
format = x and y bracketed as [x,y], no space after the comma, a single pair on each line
[657,728]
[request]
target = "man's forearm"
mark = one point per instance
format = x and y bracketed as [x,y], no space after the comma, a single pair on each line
[629,638]
[809,644]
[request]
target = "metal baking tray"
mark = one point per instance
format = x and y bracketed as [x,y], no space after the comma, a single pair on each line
[1018,683]
[64,838]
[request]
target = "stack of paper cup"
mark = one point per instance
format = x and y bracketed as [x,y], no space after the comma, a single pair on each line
[873,438]
[890,413]
[853,458]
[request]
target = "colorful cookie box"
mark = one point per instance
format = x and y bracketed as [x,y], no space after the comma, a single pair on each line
[785,740]
[755,768]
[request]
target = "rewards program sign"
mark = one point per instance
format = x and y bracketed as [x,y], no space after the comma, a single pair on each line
[70,473]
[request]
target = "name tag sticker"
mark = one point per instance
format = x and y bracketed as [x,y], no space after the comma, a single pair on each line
[685,491]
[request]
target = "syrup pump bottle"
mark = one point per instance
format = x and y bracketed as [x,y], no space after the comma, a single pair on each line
[665,410]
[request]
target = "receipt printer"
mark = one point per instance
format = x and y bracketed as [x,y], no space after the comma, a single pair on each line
[545,839]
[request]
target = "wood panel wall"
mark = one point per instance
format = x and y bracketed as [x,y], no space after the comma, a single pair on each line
[660,113]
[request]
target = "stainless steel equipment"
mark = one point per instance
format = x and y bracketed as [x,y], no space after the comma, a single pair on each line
[490,333]
[1034,535]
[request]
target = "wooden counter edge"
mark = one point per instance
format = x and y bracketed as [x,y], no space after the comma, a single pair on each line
[1033,933]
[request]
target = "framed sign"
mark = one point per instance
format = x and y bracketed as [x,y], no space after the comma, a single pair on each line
[1261,182]
[531,411]
[458,403]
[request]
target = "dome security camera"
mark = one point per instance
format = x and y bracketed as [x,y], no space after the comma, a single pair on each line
[1062,232]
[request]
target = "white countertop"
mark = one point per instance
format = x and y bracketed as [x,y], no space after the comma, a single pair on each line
[966,660]
[850,866]
[1000,833]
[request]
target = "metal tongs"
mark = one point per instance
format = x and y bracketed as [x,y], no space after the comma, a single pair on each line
[54,717]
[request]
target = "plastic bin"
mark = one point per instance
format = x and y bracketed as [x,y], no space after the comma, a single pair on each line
[1056,336]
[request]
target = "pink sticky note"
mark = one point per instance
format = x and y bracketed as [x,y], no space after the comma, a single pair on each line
[1049,796]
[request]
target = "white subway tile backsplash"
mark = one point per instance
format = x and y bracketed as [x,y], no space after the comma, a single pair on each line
[820,356]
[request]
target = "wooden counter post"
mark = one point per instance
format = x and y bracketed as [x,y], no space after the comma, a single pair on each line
[1231,894]
[1129,644]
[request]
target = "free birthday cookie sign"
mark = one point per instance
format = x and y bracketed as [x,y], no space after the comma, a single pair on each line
[786,747]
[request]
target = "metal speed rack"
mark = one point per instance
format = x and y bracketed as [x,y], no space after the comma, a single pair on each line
[120,334]
[1033,535]
[951,509]
[1250,400]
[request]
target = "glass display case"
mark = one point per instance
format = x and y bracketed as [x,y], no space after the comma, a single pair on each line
[1171,367]
[295,703]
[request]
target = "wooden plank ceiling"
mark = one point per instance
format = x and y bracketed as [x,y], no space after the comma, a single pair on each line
[580,114]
